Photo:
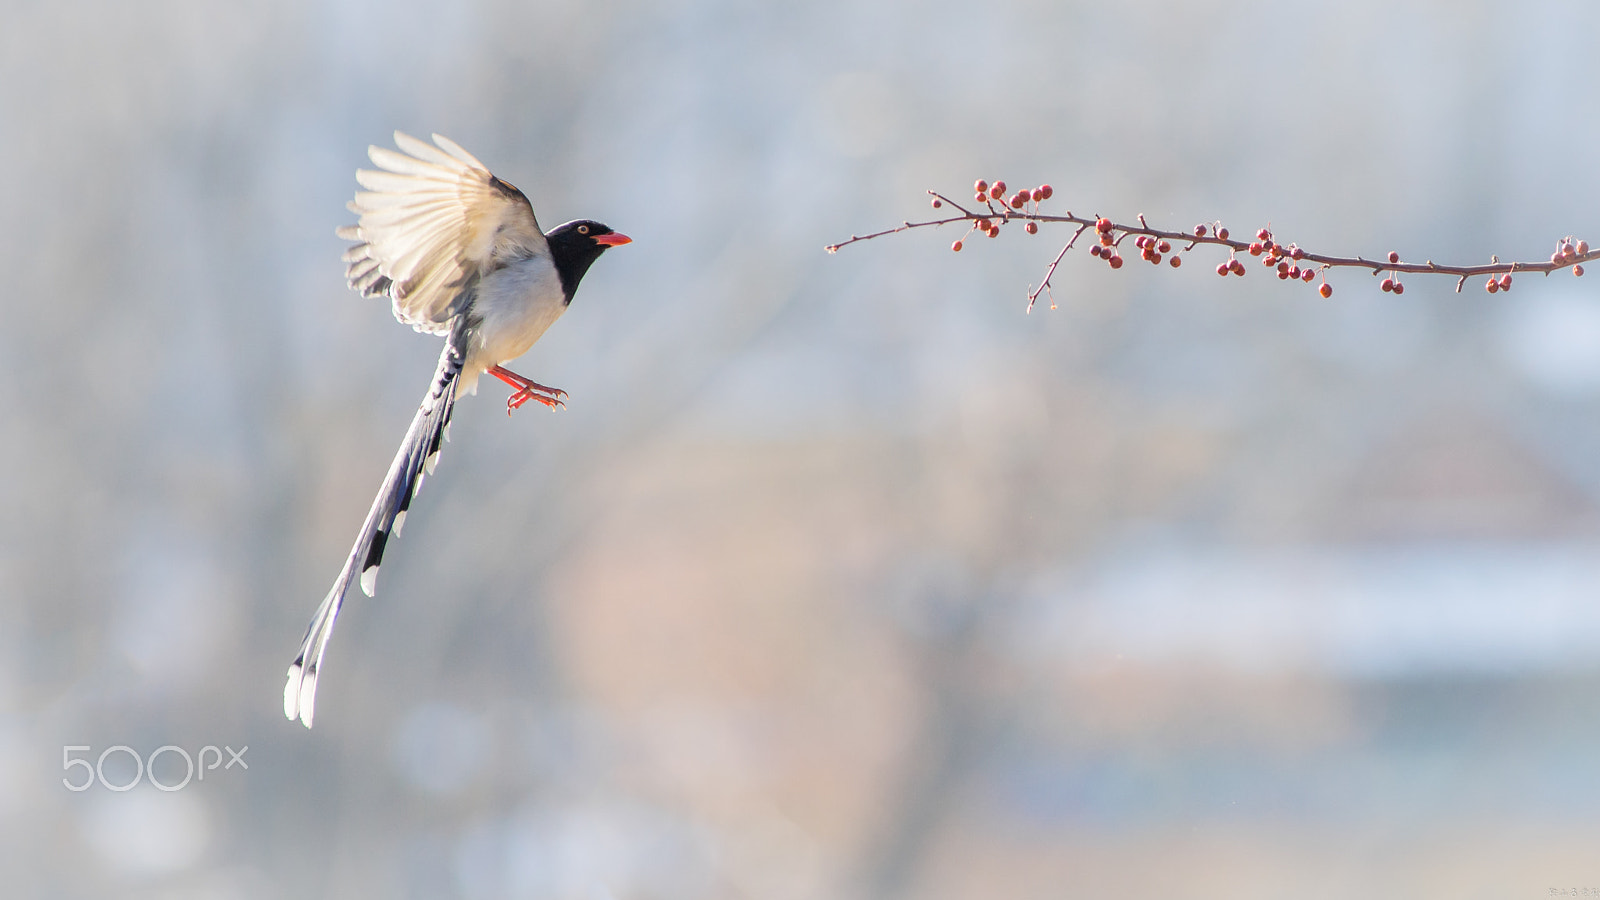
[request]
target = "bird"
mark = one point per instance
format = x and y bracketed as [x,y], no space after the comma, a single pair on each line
[460,254]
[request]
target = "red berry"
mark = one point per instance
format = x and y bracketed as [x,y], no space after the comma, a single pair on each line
[1297,253]
[981,197]
[1199,231]
[1175,261]
[1492,286]
[1399,288]
[994,232]
[981,187]
[1236,266]
[1283,273]
[1307,274]
[1139,241]
[1388,285]
[1222,233]
[1326,290]
[1046,191]
[1116,262]
[1164,247]
[1102,224]
[1033,228]
[1577,270]
[1094,250]
[1222,268]
[956,246]
[1263,235]
[1583,248]
[937,203]
[1155,259]
[1036,195]
[1105,238]
[1294,272]
[1256,248]
[1394,257]
[1505,282]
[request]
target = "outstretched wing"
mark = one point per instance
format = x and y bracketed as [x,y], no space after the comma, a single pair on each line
[432,221]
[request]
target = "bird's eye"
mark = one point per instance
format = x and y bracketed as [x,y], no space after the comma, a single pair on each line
[583,229]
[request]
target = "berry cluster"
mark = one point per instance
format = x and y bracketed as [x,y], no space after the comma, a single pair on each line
[1287,260]
[1151,250]
[1230,266]
[1001,207]
[1106,247]
[1569,251]
[1392,284]
[987,193]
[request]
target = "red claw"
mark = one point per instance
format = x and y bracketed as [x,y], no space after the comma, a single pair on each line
[528,390]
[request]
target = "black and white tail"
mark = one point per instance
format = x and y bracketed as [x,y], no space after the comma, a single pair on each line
[418,454]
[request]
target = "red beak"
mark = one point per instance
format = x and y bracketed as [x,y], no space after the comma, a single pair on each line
[614,239]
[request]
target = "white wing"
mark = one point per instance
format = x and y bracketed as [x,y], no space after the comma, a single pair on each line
[432,222]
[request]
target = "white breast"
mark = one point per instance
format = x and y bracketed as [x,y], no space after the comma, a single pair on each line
[515,305]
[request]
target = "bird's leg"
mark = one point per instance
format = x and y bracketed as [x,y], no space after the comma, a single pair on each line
[528,390]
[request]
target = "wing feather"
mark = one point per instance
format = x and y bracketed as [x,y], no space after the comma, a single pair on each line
[456,150]
[422,151]
[433,220]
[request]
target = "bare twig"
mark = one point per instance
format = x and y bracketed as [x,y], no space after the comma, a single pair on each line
[1045,285]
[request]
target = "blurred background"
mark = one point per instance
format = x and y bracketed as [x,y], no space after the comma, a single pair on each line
[840,577]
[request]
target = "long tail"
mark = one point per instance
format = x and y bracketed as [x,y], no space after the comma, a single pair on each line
[416,458]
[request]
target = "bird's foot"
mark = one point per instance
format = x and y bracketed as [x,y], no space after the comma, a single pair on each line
[547,396]
[528,389]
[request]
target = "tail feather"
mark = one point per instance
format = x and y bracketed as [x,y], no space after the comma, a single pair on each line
[417,455]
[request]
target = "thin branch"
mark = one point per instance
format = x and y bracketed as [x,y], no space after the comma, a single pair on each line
[1304,265]
[1045,285]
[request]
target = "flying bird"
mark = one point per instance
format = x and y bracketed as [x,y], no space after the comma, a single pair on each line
[460,254]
